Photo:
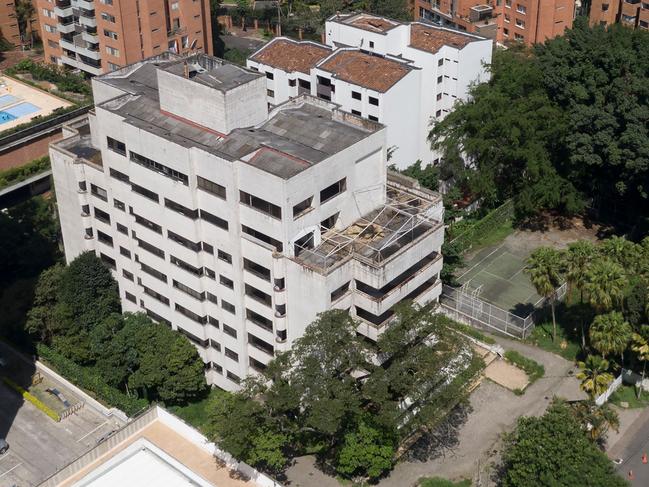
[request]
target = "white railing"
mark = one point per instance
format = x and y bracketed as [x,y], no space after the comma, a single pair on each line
[615,385]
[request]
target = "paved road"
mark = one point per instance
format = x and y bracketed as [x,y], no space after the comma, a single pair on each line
[631,448]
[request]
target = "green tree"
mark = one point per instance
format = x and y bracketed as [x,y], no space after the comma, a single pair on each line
[577,261]
[553,450]
[24,13]
[427,176]
[610,334]
[596,420]
[42,318]
[605,283]
[545,268]
[640,345]
[366,452]
[594,375]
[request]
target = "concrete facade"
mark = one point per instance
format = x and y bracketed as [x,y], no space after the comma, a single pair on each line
[630,13]
[238,230]
[528,21]
[98,36]
[403,75]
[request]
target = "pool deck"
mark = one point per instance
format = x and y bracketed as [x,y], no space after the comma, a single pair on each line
[26,93]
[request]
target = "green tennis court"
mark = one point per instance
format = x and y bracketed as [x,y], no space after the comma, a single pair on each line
[497,275]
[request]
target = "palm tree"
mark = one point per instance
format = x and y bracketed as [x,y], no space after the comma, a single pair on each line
[610,333]
[578,258]
[545,270]
[605,282]
[640,345]
[594,376]
[621,251]
[596,420]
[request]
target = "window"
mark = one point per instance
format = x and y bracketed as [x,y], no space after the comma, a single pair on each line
[256,269]
[128,275]
[263,237]
[440,79]
[256,364]
[120,176]
[257,295]
[439,96]
[259,320]
[341,291]
[213,219]
[148,224]
[83,187]
[270,75]
[130,297]
[224,256]
[98,192]
[119,205]
[147,193]
[373,118]
[208,248]
[112,51]
[228,307]
[438,113]
[356,112]
[183,210]
[270,93]
[302,207]
[183,241]
[508,3]
[228,330]
[211,298]
[116,146]
[291,82]
[159,168]
[85,210]
[102,216]
[229,283]
[233,377]
[104,238]
[155,295]
[521,9]
[231,355]
[107,17]
[260,205]
[520,23]
[125,252]
[371,44]
[440,62]
[110,34]
[197,271]
[150,248]
[153,272]
[190,314]
[210,187]
[188,290]
[330,222]
[305,84]
[356,95]
[260,344]
[374,101]
[109,261]
[333,190]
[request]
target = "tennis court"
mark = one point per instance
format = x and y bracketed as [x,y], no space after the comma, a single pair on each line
[497,275]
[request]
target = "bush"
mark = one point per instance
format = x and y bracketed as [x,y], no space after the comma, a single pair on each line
[88,379]
[440,482]
[34,400]
[65,81]
[533,369]
[17,174]
[473,333]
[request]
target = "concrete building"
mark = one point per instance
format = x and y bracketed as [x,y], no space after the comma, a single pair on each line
[236,225]
[403,75]
[528,21]
[630,13]
[158,449]
[98,36]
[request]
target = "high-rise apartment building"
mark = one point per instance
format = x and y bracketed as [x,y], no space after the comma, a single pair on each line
[406,76]
[630,13]
[236,225]
[98,36]
[528,21]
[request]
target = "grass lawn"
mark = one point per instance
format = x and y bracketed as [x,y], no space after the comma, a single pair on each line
[628,394]
[494,236]
[197,413]
[440,482]
[565,345]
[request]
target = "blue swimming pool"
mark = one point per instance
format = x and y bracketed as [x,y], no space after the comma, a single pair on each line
[7,100]
[17,111]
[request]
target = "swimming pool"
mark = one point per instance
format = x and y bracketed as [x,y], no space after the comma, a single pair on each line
[7,100]
[17,111]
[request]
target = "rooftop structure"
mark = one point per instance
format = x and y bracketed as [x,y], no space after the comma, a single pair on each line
[236,225]
[403,75]
[157,448]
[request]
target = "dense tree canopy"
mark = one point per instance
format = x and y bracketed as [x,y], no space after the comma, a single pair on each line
[554,450]
[560,126]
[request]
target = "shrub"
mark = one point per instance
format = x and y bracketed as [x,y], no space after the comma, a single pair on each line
[533,369]
[17,174]
[473,333]
[88,379]
[54,74]
[34,400]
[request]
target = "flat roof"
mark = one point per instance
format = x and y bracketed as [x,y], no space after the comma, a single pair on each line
[373,23]
[367,70]
[431,38]
[212,72]
[290,55]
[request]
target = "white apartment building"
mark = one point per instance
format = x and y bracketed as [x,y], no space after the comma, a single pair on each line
[235,225]
[403,75]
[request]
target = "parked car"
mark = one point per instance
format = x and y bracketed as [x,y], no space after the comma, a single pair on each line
[4,446]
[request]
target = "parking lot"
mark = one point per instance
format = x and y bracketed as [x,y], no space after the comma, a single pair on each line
[39,446]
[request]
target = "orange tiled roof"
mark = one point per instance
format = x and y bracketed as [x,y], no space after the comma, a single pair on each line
[431,39]
[291,55]
[373,72]
[375,24]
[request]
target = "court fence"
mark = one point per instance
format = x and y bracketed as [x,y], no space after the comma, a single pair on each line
[464,241]
[466,307]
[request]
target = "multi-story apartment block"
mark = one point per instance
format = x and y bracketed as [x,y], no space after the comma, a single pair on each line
[235,225]
[528,21]
[98,36]
[630,13]
[403,75]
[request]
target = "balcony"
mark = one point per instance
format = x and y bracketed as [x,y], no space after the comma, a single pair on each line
[88,21]
[63,12]
[90,37]
[70,61]
[66,27]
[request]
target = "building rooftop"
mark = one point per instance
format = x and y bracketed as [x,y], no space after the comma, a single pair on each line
[212,72]
[298,134]
[431,38]
[369,22]
[290,55]
[370,71]
[157,449]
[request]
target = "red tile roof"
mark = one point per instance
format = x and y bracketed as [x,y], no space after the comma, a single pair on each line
[290,55]
[431,39]
[372,23]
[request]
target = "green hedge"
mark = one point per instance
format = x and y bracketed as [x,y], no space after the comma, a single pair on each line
[533,369]
[34,400]
[89,380]
[18,174]
[65,81]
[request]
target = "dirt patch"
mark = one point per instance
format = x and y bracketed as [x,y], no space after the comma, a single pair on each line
[506,375]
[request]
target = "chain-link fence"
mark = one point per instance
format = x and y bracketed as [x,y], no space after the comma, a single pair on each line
[491,220]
